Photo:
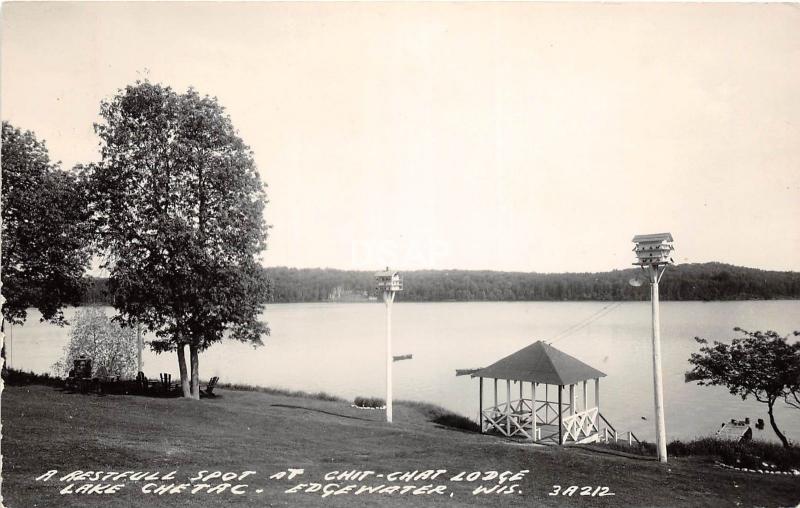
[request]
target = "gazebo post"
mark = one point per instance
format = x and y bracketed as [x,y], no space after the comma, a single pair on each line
[508,407]
[533,410]
[495,394]
[560,440]
[546,403]
[585,400]
[572,399]
[480,404]
[519,406]
[597,401]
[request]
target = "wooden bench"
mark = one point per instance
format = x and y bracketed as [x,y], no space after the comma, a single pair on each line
[80,376]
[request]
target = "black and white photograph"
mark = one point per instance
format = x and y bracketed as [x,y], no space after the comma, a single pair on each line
[400,254]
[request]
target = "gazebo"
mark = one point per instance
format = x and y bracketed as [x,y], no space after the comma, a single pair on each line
[538,416]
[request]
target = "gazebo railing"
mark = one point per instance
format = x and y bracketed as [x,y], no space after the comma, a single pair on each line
[515,417]
[609,433]
[581,427]
[550,407]
[510,418]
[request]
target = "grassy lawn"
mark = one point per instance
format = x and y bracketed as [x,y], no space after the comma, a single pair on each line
[45,428]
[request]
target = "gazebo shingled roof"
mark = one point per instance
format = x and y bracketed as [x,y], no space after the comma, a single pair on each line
[540,363]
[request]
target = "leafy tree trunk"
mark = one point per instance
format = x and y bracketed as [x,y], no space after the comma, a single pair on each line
[195,360]
[182,367]
[775,427]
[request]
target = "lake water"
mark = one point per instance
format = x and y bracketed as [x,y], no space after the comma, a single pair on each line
[338,348]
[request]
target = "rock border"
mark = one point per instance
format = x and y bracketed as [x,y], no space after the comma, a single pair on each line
[793,472]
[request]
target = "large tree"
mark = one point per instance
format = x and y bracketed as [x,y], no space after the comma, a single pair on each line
[763,365]
[46,234]
[179,207]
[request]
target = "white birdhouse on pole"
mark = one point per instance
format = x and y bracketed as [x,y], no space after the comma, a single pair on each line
[653,254]
[388,283]
[653,250]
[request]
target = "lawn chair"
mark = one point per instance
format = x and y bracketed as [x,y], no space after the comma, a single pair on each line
[80,376]
[142,384]
[71,380]
[166,381]
[209,391]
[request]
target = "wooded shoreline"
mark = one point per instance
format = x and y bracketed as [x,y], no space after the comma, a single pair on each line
[689,282]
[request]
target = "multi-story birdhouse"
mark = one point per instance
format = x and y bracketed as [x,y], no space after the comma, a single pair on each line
[653,250]
[388,280]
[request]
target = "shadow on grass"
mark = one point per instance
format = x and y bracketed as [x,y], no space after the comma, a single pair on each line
[13,377]
[118,390]
[431,412]
[619,452]
[241,387]
[289,406]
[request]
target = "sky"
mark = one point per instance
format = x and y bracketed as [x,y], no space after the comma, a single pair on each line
[503,136]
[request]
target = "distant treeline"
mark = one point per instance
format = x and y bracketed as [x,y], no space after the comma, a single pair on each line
[708,281]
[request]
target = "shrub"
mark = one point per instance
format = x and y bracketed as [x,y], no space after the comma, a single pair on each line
[373,402]
[108,344]
[442,416]
[748,454]
[456,421]
[20,378]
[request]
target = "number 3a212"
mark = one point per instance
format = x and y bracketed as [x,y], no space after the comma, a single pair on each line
[581,491]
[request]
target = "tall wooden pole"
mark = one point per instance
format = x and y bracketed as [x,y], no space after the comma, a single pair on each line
[388,297]
[661,433]
[139,347]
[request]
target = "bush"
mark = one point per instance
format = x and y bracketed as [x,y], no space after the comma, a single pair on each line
[108,344]
[748,454]
[373,402]
[20,378]
[442,416]
[456,421]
